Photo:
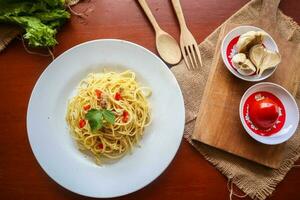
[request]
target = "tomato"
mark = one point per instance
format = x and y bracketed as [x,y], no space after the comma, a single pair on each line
[100,146]
[264,113]
[98,93]
[87,107]
[125,116]
[118,96]
[82,123]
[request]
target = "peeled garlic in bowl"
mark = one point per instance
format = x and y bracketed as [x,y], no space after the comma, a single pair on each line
[243,65]
[249,39]
[263,58]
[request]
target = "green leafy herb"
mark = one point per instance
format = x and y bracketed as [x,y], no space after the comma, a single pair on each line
[39,18]
[96,118]
[108,116]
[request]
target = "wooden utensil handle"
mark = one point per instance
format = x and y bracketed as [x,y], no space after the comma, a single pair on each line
[149,14]
[179,13]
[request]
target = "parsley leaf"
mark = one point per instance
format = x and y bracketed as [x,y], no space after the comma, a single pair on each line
[96,117]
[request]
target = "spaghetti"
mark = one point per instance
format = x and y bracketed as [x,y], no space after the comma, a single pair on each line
[108,115]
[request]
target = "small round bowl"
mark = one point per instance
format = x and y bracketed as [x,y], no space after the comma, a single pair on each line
[228,50]
[289,113]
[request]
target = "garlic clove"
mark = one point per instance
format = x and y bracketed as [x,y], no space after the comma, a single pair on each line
[271,60]
[238,60]
[249,39]
[263,58]
[243,65]
[249,69]
[256,54]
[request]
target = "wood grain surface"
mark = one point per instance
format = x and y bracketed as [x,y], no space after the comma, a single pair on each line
[189,176]
[218,122]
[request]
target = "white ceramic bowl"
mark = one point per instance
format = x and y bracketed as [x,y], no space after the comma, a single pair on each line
[228,50]
[291,109]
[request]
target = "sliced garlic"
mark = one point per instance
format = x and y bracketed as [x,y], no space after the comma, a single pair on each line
[256,54]
[249,39]
[263,58]
[243,65]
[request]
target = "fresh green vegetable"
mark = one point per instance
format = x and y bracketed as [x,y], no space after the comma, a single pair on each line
[96,118]
[39,18]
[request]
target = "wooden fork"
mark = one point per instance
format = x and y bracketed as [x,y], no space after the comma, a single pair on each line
[188,44]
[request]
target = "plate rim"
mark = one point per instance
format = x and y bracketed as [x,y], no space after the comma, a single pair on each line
[34,89]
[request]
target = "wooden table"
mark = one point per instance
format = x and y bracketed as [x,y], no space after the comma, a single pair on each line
[189,176]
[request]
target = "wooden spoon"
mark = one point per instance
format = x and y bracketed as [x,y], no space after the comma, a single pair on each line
[166,45]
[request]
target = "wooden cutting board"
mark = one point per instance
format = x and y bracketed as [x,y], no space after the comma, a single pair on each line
[218,123]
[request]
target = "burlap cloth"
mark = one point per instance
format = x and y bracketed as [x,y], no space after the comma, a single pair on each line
[255,180]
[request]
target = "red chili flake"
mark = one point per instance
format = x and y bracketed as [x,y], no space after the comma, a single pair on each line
[118,96]
[87,107]
[98,93]
[125,116]
[100,146]
[82,123]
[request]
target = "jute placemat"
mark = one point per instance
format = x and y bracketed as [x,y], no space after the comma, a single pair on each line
[255,180]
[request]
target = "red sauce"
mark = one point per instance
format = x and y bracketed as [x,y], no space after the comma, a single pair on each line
[230,47]
[264,113]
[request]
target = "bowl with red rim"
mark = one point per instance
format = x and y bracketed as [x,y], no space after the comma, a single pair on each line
[269,113]
[229,49]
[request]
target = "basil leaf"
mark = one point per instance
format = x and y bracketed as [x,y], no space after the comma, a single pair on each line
[95,125]
[109,116]
[94,118]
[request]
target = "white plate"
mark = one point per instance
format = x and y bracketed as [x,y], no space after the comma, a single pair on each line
[56,151]
[229,39]
[291,110]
